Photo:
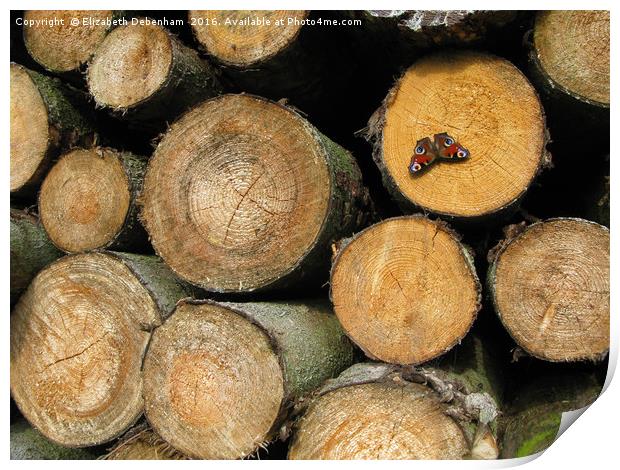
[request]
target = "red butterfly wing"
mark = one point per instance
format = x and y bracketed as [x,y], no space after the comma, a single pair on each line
[448,148]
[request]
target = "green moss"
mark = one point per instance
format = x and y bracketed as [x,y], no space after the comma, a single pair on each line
[543,438]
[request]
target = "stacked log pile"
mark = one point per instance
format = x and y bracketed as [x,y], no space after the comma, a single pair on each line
[209,262]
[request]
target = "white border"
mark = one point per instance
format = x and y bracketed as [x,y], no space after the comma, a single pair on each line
[591,443]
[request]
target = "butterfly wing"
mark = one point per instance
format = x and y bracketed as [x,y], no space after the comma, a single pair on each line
[448,148]
[424,154]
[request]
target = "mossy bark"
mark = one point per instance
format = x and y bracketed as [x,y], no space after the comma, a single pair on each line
[164,287]
[533,418]
[70,124]
[31,250]
[29,444]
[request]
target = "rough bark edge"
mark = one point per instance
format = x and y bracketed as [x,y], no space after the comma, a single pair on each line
[130,235]
[511,234]
[339,247]
[74,74]
[189,80]
[295,391]
[373,134]
[473,412]
[348,197]
[68,125]
[29,444]
[39,250]
[142,432]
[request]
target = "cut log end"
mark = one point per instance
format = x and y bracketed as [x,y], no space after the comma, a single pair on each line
[405,290]
[378,421]
[572,48]
[78,336]
[488,106]
[131,65]
[236,193]
[231,38]
[30,131]
[141,443]
[85,199]
[213,383]
[61,46]
[551,289]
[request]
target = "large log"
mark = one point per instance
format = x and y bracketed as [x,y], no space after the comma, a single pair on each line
[31,250]
[569,63]
[550,286]
[220,378]
[60,46]
[244,194]
[29,444]
[142,73]
[381,411]
[78,336]
[88,201]
[489,107]
[405,289]
[45,118]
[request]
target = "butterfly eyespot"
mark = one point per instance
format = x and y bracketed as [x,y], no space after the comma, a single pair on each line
[415,167]
[419,150]
[462,153]
[448,142]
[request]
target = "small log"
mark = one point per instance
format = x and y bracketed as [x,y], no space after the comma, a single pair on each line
[60,46]
[405,290]
[78,336]
[142,73]
[31,250]
[88,201]
[141,443]
[29,444]
[220,378]
[281,58]
[244,194]
[550,288]
[382,411]
[569,62]
[489,107]
[45,118]
[534,416]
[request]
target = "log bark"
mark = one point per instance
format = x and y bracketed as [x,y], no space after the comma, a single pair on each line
[61,47]
[145,75]
[31,250]
[569,63]
[532,420]
[550,287]
[142,443]
[29,444]
[220,379]
[46,117]
[89,201]
[491,109]
[253,201]
[78,336]
[405,289]
[446,410]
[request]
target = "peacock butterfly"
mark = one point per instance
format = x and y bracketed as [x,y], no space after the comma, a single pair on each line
[443,147]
